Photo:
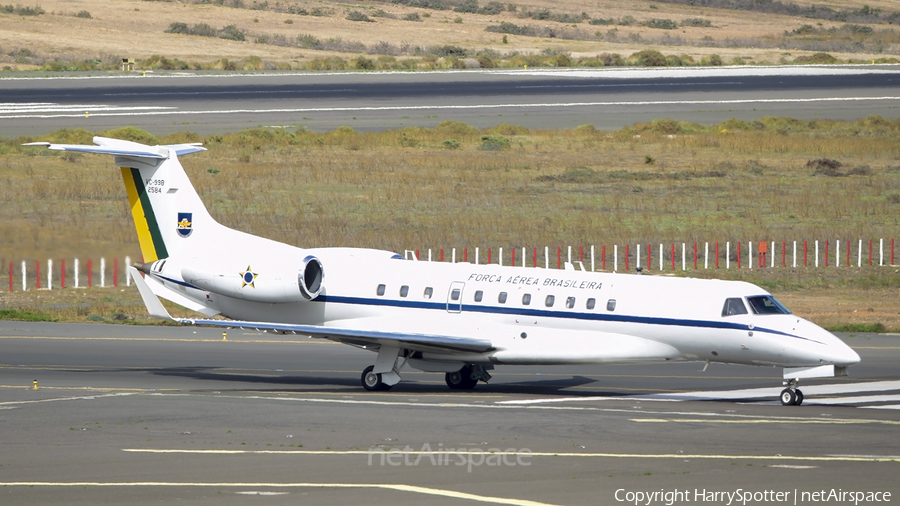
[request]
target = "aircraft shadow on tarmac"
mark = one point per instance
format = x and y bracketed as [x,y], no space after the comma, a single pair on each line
[547,386]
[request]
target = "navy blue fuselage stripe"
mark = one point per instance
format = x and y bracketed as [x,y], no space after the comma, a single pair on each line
[647,320]
[182,283]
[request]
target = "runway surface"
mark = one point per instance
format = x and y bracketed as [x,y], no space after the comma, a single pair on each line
[548,98]
[164,414]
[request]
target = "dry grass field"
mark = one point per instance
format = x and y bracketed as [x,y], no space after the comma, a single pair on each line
[456,186]
[305,34]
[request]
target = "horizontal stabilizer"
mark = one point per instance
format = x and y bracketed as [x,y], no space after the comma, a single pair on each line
[118,147]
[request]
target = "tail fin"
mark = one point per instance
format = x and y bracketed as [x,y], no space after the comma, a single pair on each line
[165,207]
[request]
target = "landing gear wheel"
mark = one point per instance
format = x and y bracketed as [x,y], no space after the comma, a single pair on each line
[799,395]
[372,381]
[788,397]
[461,379]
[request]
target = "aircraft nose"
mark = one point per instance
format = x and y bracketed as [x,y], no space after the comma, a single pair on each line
[846,356]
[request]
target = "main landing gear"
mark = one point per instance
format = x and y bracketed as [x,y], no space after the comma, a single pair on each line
[371,381]
[467,377]
[791,396]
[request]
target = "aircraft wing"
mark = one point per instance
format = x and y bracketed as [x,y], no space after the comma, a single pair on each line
[359,337]
[356,337]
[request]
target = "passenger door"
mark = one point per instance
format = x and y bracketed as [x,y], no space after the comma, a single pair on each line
[454,297]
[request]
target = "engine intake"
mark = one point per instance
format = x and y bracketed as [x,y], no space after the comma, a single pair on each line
[310,277]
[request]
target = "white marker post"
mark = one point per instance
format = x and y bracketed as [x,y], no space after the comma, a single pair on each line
[102,272]
[592,258]
[546,257]
[660,257]
[817,253]
[453,256]
[750,253]
[127,272]
[615,258]
[76,273]
[24,284]
[49,274]
[637,256]
[772,249]
[859,254]
[881,252]
[476,255]
[706,256]
[795,255]
[728,255]
[524,256]
[837,253]
[683,250]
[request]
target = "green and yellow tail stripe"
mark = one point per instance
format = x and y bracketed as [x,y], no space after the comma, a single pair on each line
[152,246]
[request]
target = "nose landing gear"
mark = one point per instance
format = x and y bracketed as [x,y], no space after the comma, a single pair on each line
[791,396]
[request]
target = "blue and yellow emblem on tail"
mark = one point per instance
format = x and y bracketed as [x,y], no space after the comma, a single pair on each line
[185,224]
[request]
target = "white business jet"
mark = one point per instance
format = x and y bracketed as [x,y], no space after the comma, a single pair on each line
[456,318]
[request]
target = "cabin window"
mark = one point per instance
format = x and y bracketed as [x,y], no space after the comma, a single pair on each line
[478,295]
[766,304]
[570,302]
[502,298]
[549,301]
[734,306]
[404,291]
[380,290]
[429,291]
[591,303]
[526,299]
[611,305]
[454,295]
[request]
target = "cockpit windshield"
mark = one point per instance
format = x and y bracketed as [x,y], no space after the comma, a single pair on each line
[766,304]
[734,306]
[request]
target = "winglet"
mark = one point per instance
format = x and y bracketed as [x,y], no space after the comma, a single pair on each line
[154,306]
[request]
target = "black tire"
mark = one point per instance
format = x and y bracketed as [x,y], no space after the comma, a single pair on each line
[371,381]
[461,379]
[799,395]
[788,397]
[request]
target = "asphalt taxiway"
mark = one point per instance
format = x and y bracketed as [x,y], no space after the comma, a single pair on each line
[545,98]
[163,414]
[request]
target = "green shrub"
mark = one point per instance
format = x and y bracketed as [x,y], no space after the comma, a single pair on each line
[83,14]
[493,143]
[412,16]
[450,144]
[363,63]
[454,127]
[359,16]
[307,41]
[231,32]
[468,6]
[662,24]
[696,22]
[650,58]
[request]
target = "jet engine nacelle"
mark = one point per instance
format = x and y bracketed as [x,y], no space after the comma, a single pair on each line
[264,285]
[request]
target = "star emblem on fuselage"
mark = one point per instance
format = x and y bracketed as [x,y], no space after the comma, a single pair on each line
[248,277]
